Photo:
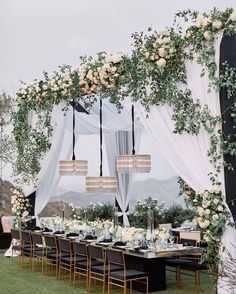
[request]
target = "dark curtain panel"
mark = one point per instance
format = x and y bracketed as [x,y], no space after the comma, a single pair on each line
[228,53]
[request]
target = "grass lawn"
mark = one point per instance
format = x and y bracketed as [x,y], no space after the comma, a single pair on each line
[14,280]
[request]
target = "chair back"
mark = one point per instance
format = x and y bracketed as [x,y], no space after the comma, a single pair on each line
[50,241]
[26,237]
[15,234]
[96,252]
[64,245]
[80,249]
[193,235]
[115,256]
[37,239]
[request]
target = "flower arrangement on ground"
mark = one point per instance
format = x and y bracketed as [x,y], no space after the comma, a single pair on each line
[20,207]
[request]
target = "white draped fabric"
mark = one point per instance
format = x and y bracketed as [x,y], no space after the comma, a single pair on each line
[188,153]
[61,143]
[49,176]
[118,143]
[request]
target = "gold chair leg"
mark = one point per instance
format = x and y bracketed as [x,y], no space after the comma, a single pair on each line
[131,287]
[147,285]
[108,286]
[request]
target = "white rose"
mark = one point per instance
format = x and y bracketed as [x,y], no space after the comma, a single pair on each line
[207,211]
[164,31]
[161,62]
[199,20]
[216,189]
[159,41]
[215,217]
[204,224]
[205,21]
[217,24]
[162,52]
[216,201]
[200,211]
[166,40]
[233,16]
[207,35]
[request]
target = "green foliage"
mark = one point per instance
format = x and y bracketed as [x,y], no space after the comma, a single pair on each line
[139,216]
[102,211]
[176,215]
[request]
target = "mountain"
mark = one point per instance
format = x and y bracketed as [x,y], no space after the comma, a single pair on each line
[166,190]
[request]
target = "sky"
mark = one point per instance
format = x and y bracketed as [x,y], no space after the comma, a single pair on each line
[40,35]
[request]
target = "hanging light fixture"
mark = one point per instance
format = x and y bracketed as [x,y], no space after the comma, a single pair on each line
[101,184]
[74,166]
[133,163]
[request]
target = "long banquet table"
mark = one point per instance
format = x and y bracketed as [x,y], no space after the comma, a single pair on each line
[151,262]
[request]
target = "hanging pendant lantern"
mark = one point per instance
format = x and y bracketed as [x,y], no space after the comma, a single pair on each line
[133,163]
[73,166]
[101,184]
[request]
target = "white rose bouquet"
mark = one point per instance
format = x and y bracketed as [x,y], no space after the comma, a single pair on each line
[20,207]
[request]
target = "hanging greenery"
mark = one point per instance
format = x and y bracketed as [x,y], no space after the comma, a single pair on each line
[154,74]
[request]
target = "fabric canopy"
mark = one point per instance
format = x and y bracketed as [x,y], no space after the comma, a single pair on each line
[61,143]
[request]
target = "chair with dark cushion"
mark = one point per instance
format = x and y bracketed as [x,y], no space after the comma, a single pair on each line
[16,242]
[123,276]
[81,262]
[27,248]
[51,254]
[38,250]
[66,257]
[183,261]
[98,269]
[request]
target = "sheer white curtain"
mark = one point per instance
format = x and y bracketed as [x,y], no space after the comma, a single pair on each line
[188,153]
[118,143]
[49,176]
[61,143]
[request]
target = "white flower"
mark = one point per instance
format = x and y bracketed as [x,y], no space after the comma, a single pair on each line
[233,16]
[161,62]
[216,189]
[204,224]
[164,31]
[162,52]
[207,211]
[217,24]
[166,40]
[215,217]
[216,201]
[199,20]
[207,35]
[25,214]
[200,211]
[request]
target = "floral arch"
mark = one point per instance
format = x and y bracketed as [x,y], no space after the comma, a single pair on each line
[155,74]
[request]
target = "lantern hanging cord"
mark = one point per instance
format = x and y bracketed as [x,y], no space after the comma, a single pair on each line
[133,140]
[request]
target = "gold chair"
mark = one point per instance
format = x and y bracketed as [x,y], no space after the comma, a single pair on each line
[66,257]
[51,254]
[81,262]
[97,265]
[38,250]
[27,248]
[122,277]
[16,243]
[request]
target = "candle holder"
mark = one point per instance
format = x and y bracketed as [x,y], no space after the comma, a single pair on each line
[115,218]
[150,220]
